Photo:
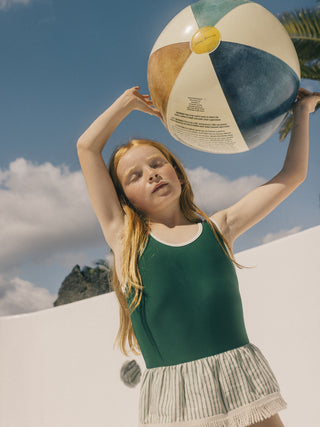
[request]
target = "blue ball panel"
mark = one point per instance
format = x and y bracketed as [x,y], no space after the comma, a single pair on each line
[259,88]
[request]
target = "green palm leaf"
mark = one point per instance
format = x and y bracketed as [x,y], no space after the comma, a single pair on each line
[311,72]
[303,27]
[287,125]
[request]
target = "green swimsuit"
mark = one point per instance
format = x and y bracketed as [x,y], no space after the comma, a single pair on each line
[191,306]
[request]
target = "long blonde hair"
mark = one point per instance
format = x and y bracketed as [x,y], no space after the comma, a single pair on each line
[135,238]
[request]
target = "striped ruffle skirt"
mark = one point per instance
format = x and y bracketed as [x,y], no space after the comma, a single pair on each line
[236,388]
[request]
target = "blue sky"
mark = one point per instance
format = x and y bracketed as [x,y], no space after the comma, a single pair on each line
[63,64]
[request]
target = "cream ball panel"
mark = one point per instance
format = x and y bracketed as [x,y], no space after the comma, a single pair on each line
[198,115]
[239,24]
[180,29]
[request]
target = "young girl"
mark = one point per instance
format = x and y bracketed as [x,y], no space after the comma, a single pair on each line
[174,274]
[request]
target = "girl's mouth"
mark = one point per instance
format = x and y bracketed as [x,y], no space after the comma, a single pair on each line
[159,186]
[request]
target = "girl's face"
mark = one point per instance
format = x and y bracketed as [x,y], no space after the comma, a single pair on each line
[148,179]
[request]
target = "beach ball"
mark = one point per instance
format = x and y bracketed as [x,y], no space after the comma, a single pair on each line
[224,74]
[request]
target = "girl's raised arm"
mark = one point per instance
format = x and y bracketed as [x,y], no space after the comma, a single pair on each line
[101,190]
[259,202]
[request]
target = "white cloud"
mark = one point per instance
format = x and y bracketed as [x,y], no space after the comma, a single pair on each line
[109,258]
[68,259]
[45,218]
[280,234]
[214,192]
[7,4]
[44,210]
[20,296]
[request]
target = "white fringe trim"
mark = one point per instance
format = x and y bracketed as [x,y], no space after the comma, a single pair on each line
[244,416]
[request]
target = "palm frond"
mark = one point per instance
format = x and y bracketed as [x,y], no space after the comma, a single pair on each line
[311,72]
[286,125]
[303,27]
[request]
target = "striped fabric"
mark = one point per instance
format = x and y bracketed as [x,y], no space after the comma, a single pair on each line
[231,389]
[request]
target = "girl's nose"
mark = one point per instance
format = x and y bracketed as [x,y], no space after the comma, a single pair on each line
[153,175]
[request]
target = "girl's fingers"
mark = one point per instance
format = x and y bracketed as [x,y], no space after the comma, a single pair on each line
[304,93]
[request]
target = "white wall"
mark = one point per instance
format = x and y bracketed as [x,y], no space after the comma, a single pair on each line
[58,367]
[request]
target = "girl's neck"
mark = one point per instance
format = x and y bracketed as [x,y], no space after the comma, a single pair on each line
[168,221]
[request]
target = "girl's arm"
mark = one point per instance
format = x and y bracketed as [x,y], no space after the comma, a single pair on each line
[257,204]
[101,190]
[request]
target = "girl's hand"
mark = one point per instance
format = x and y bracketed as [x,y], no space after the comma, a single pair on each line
[140,102]
[306,101]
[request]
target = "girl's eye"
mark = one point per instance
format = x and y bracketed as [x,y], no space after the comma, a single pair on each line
[157,163]
[134,176]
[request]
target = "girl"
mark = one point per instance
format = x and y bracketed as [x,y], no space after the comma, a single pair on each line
[174,274]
